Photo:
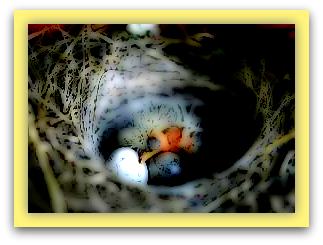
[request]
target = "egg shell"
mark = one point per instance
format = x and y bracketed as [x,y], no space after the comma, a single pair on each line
[165,169]
[124,164]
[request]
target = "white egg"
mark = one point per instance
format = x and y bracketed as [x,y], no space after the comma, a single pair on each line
[124,163]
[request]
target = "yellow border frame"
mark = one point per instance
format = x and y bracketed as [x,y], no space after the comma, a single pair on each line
[24,17]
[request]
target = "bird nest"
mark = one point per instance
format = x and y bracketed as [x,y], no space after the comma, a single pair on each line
[78,78]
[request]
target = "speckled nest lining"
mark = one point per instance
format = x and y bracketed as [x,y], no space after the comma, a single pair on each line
[77,82]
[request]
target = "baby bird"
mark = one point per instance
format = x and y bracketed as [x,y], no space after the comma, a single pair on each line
[170,139]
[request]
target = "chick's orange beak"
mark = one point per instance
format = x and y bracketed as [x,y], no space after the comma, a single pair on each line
[170,140]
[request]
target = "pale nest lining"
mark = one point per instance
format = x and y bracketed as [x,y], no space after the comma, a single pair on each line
[71,83]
